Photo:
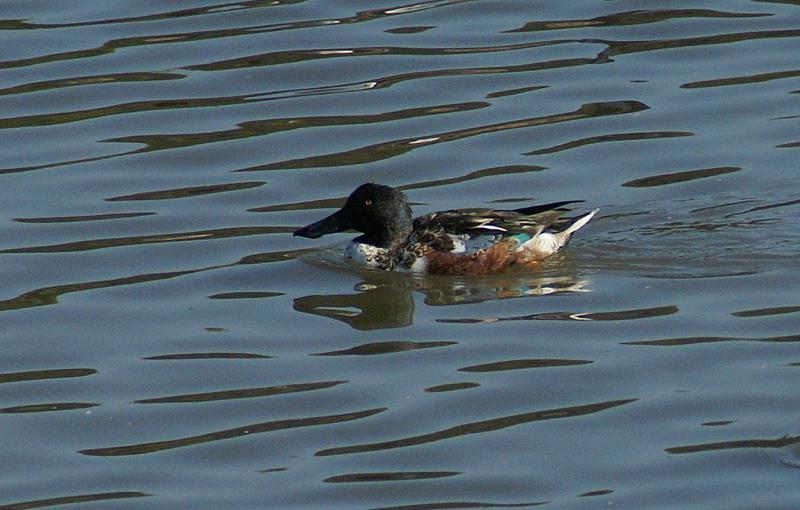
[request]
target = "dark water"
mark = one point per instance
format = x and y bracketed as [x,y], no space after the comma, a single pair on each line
[166,342]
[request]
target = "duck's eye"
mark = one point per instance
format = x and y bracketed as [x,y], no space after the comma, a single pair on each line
[368,202]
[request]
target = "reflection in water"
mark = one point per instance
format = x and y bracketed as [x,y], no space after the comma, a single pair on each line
[219,435]
[50,295]
[616,48]
[633,18]
[447,504]
[513,92]
[478,427]
[519,364]
[372,308]
[290,56]
[38,375]
[335,203]
[389,477]
[676,177]
[494,171]
[386,300]
[166,15]
[759,312]
[372,349]
[273,470]
[741,80]
[173,38]
[191,191]
[737,444]
[87,80]
[252,294]
[766,207]
[272,126]
[209,355]
[394,148]
[621,315]
[97,244]
[719,423]
[613,137]
[91,217]
[240,393]
[452,387]
[78,498]
[462,292]
[277,58]
[154,142]
[43,408]
[600,492]
[692,340]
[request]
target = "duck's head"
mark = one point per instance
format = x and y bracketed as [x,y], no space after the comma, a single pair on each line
[381,212]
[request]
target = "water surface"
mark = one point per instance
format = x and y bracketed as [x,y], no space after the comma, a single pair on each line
[167,343]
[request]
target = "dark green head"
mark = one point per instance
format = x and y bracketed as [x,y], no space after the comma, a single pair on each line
[381,212]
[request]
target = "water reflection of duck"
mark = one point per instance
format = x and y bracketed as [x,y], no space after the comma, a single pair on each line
[460,242]
[371,307]
[386,300]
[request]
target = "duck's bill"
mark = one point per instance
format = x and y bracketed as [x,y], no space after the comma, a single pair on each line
[336,222]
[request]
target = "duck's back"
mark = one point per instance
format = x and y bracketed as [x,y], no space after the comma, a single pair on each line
[529,220]
[479,241]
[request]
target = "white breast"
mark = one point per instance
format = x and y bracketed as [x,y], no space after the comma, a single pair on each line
[366,255]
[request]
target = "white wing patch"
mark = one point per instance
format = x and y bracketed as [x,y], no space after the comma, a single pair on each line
[486,225]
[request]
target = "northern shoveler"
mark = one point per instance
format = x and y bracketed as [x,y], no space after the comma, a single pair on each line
[458,242]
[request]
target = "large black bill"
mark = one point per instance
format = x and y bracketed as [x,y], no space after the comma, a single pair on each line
[336,222]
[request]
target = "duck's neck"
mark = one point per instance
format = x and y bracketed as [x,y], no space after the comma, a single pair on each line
[391,235]
[390,238]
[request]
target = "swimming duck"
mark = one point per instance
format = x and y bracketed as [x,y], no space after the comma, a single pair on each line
[456,242]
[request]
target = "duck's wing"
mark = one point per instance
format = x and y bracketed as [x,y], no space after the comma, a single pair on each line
[537,209]
[531,220]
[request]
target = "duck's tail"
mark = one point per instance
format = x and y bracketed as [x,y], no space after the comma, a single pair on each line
[577,224]
[548,242]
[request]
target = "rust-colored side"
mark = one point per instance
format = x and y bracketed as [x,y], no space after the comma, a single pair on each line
[492,260]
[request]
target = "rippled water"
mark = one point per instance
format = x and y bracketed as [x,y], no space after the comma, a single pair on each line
[168,344]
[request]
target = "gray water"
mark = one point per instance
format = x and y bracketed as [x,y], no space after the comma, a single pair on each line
[167,343]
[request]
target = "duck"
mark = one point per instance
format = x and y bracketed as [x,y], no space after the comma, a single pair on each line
[462,242]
